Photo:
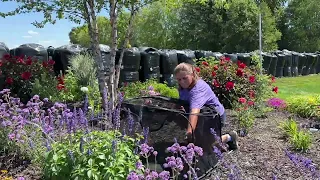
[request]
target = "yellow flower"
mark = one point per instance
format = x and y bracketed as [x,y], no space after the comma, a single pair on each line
[4,171]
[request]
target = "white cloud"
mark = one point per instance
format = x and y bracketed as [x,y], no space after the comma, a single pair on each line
[27,37]
[32,32]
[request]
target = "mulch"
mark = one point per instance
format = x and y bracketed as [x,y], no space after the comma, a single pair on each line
[262,152]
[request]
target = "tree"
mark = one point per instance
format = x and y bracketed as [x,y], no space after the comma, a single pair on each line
[86,10]
[302,26]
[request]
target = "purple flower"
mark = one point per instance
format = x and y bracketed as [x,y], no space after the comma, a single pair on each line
[276,103]
[145,134]
[133,176]
[20,178]
[145,149]
[130,121]
[164,175]
[304,164]
[139,165]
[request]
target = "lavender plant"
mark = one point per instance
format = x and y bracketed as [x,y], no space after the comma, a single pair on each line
[234,172]
[183,157]
[304,165]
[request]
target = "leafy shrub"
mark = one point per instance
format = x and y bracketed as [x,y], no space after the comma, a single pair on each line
[289,127]
[299,139]
[97,155]
[244,112]
[84,69]
[67,88]
[20,73]
[137,89]
[305,106]
[231,81]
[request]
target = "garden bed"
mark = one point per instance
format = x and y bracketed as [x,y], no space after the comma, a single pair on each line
[261,154]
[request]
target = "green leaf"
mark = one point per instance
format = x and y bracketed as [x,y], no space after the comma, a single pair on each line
[89,174]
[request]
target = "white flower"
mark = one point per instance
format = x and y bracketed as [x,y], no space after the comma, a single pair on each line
[90,107]
[84,89]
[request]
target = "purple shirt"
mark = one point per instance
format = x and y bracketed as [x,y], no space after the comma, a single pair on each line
[200,95]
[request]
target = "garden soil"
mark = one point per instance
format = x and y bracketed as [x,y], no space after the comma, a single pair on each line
[261,154]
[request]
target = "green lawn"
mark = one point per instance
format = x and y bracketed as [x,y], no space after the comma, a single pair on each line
[302,85]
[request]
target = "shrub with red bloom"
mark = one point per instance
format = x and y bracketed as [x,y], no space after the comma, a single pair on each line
[231,81]
[20,72]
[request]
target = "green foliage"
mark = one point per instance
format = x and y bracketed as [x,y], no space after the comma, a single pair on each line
[299,139]
[289,127]
[80,35]
[138,88]
[305,106]
[245,114]
[46,87]
[97,155]
[84,69]
[301,26]
[81,73]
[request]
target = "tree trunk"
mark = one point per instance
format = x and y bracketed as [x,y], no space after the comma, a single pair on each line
[126,40]
[114,43]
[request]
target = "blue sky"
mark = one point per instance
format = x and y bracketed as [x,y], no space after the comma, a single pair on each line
[17,30]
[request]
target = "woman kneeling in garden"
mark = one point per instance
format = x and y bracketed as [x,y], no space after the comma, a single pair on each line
[198,93]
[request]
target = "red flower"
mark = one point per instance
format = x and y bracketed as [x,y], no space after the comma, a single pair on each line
[216,83]
[275,89]
[252,79]
[273,79]
[197,69]
[239,72]
[227,58]
[6,56]
[251,94]
[29,61]
[205,63]
[20,60]
[51,62]
[1,63]
[45,64]
[241,65]
[215,67]
[9,80]
[60,87]
[60,80]
[26,75]
[229,85]
[214,74]
[242,100]
[250,103]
